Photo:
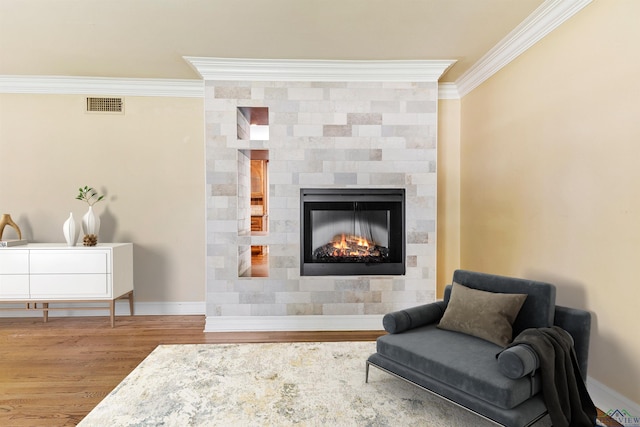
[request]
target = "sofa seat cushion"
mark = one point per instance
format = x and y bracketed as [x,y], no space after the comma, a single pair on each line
[462,361]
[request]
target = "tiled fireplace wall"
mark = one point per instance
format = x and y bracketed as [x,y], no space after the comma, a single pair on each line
[322,134]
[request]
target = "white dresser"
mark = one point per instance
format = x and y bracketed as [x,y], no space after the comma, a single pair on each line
[41,273]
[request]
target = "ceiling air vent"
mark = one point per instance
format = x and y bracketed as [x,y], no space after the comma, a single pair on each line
[105,105]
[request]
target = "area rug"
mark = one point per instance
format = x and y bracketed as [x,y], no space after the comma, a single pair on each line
[284,384]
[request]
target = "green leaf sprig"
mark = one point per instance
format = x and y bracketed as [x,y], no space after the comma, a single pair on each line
[89,195]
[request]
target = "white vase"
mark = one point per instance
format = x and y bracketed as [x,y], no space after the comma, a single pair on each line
[90,222]
[70,230]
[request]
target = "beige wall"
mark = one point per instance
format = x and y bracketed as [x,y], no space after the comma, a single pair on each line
[550,177]
[448,232]
[149,162]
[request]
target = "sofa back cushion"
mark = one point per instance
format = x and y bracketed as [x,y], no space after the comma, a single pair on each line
[536,312]
[486,315]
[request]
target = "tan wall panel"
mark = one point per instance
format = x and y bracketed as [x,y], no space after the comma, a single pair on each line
[448,252]
[148,161]
[549,172]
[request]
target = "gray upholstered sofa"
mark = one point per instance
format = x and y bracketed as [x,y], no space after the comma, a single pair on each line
[466,369]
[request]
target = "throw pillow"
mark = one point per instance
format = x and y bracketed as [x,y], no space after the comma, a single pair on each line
[486,315]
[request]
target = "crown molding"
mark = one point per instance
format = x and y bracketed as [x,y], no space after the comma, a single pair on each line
[546,18]
[56,85]
[102,86]
[448,91]
[240,69]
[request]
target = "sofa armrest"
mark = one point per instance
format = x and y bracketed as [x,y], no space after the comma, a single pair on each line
[518,361]
[403,320]
[578,323]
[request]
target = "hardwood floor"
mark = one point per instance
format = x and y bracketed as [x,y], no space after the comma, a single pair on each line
[55,373]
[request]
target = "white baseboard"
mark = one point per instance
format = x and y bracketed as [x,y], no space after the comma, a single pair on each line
[171,308]
[122,309]
[293,323]
[608,400]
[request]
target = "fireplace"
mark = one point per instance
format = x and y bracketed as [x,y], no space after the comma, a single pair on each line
[352,231]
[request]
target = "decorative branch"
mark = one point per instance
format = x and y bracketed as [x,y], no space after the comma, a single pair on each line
[89,195]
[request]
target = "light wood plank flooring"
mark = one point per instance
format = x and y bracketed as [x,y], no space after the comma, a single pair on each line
[55,373]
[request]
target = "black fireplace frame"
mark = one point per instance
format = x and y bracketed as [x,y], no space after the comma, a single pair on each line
[392,196]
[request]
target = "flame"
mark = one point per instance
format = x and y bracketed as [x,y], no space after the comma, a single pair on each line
[351,246]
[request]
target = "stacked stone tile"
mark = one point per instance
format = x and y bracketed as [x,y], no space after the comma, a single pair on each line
[322,134]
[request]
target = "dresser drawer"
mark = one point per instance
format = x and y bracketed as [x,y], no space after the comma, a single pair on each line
[14,262]
[14,286]
[69,262]
[70,286]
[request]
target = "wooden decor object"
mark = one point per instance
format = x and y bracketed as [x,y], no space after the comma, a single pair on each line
[5,220]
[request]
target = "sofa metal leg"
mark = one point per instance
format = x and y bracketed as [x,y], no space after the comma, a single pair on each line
[366,377]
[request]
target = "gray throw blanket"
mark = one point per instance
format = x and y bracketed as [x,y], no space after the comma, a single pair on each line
[563,388]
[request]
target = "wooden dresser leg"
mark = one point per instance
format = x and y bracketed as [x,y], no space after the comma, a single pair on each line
[131,302]
[45,311]
[112,308]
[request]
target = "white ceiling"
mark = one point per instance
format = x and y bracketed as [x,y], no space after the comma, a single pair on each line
[149,38]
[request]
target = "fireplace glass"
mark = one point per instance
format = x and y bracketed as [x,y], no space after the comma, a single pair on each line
[352,232]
